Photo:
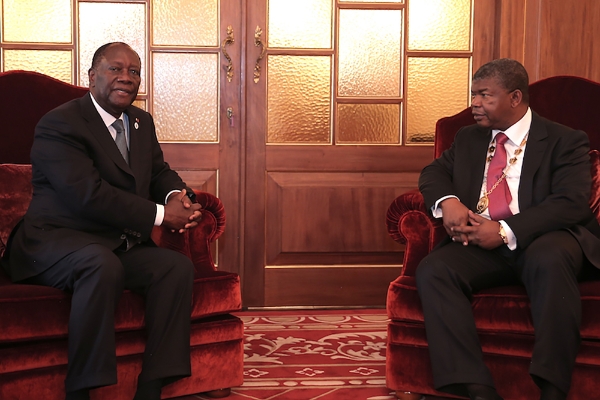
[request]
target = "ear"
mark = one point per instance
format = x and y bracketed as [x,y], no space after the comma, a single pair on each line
[92,77]
[516,97]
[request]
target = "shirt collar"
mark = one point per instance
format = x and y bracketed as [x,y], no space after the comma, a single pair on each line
[516,133]
[106,117]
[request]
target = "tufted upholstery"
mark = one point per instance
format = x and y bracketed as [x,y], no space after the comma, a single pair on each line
[33,319]
[502,314]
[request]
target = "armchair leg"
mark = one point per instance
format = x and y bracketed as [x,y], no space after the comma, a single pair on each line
[218,393]
[408,395]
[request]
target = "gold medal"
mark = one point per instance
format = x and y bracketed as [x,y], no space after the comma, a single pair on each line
[482,204]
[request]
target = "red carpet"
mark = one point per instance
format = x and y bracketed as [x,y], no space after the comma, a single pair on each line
[315,354]
[301,355]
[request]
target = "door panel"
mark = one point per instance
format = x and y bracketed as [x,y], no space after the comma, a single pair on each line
[326,151]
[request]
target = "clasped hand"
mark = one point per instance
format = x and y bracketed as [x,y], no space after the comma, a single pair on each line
[466,227]
[180,213]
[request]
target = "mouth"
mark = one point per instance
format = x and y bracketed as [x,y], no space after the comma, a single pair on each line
[478,117]
[122,92]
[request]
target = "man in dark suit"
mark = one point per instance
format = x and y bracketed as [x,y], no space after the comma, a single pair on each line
[100,184]
[513,192]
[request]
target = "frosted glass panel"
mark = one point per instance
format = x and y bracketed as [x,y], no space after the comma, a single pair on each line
[44,21]
[185,22]
[439,25]
[55,63]
[368,123]
[299,99]
[300,24]
[437,87]
[100,23]
[369,52]
[185,102]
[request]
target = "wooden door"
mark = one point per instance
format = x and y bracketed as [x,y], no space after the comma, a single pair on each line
[328,147]
[214,165]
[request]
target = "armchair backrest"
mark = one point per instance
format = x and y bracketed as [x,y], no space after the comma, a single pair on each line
[568,100]
[24,98]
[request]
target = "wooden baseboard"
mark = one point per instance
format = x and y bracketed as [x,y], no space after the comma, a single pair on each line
[328,286]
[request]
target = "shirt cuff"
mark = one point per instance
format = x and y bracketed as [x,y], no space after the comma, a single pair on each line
[435,210]
[510,235]
[160,215]
[160,209]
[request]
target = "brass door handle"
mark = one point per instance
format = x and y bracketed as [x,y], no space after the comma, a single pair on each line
[228,41]
[258,43]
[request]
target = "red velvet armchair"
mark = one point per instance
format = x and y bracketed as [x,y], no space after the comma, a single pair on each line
[33,319]
[502,314]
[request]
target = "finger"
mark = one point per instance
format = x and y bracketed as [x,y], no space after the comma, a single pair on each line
[195,215]
[476,217]
[191,225]
[463,230]
[474,222]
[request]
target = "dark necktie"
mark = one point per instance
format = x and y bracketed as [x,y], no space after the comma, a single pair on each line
[500,197]
[120,139]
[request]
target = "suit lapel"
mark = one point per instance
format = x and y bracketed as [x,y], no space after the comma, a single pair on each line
[136,145]
[532,159]
[480,144]
[101,133]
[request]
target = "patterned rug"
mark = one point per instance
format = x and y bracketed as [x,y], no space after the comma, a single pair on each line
[325,355]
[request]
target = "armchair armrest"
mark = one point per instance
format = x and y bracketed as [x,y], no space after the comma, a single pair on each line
[410,223]
[195,243]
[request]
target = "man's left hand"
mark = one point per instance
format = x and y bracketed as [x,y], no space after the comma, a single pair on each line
[481,232]
[195,216]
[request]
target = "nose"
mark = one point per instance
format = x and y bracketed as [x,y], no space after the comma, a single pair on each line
[475,101]
[124,75]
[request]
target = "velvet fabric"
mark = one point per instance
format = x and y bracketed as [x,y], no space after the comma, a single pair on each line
[33,319]
[502,314]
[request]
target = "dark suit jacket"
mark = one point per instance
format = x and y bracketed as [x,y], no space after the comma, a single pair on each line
[83,190]
[554,189]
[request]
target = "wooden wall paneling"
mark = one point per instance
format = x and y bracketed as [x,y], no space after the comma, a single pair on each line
[485,38]
[531,48]
[570,38]
[512,29]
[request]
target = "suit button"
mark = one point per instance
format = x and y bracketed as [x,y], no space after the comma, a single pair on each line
[123,237]
[138,234]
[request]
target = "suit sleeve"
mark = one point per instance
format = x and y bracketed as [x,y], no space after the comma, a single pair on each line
[436,179]
[163,178]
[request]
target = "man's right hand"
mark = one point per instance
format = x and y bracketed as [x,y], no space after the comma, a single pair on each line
[455,213]
[180,213]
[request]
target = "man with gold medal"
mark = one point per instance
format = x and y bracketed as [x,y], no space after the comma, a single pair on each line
[513,192]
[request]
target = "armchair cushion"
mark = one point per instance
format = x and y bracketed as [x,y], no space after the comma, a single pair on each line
[15,194]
